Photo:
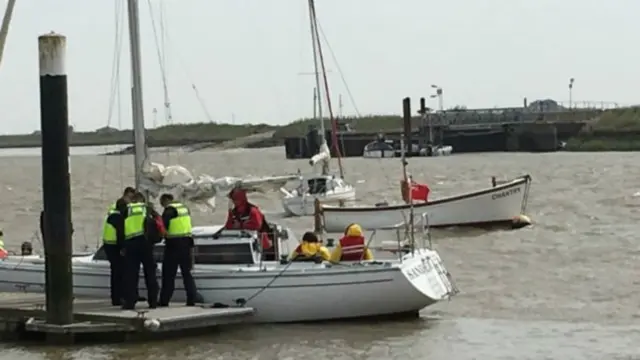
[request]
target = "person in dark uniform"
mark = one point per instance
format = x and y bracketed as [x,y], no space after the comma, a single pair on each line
[112,241]
[138,250]
[177,251]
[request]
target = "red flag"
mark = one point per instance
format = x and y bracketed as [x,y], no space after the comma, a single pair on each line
[419,191]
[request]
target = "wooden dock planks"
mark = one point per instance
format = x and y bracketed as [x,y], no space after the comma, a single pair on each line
[98,316]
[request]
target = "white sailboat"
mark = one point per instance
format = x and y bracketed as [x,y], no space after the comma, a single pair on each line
[231,268]
[326,187]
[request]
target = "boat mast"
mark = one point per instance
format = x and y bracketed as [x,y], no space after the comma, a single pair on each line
[317,92]
[137,108]
[334,126]
[6,21]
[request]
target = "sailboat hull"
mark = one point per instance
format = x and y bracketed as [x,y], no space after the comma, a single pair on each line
[283,293]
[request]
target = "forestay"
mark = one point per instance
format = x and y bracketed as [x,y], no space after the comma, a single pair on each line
[203,189]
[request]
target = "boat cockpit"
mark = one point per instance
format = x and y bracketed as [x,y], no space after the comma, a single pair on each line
[215,245]
[323,184]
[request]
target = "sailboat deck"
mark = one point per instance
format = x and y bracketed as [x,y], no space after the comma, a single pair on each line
[24,314]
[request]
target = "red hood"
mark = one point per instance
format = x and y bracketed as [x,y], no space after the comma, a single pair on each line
[239,197]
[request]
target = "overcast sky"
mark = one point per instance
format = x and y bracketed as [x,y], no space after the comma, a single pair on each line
[245,56]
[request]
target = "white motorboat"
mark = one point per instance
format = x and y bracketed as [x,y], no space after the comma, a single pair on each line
[328,189]
[230,270]
[378,149]
[501,204]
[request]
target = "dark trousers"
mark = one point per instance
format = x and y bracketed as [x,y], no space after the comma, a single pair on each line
[116,264]
[177,253]
[139,251]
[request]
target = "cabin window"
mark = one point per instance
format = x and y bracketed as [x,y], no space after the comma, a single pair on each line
[230,254]
[317,185]
[235,254]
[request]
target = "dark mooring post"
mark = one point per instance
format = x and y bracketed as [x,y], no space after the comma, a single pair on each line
[406,117]
[54,125]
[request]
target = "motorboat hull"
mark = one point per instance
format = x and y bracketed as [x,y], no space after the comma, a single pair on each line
[280,293]
[501,204]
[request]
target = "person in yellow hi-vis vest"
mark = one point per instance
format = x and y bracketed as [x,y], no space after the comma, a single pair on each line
[177,251]
[138,250]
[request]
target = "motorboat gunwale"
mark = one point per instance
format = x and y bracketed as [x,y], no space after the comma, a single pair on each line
[422,207]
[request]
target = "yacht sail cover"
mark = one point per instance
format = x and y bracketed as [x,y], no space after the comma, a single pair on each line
[202,190]
[323,155]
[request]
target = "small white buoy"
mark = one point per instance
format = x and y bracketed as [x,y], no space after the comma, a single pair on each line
[152,324]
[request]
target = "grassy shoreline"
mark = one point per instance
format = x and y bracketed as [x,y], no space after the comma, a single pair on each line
[613,130]
[188,134]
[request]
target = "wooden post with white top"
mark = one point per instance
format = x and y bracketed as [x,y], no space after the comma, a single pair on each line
[54,124]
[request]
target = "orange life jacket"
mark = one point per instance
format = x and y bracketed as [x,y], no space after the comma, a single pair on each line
[353,248]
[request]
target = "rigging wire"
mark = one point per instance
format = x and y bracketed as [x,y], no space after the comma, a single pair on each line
[161,53]
[114,104]
[342,77]
[114,96]
[184,67]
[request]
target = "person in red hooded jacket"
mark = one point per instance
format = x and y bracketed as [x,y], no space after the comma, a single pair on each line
[246,216]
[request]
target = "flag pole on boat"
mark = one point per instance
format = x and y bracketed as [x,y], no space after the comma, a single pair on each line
[56,191]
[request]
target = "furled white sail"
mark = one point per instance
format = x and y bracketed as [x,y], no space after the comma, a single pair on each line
[323,155]
[203,189]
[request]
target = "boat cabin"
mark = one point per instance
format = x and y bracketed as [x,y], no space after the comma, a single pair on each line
[322,184]
[215,245]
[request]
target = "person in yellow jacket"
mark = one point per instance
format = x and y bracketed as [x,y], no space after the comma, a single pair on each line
[352,246]
[310,249]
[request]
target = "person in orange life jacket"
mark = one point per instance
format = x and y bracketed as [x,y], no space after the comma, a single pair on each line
[310,249]
[246,216]
[352,246]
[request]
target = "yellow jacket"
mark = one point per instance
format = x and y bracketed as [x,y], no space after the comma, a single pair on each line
[309,249]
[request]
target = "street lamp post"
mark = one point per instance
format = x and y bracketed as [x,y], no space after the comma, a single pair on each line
[571,93]
[438,95]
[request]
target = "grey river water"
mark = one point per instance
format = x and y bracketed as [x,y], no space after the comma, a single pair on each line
[565,288]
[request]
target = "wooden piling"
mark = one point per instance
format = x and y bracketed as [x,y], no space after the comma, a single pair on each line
[406,116]
[54,124]
[317,216]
